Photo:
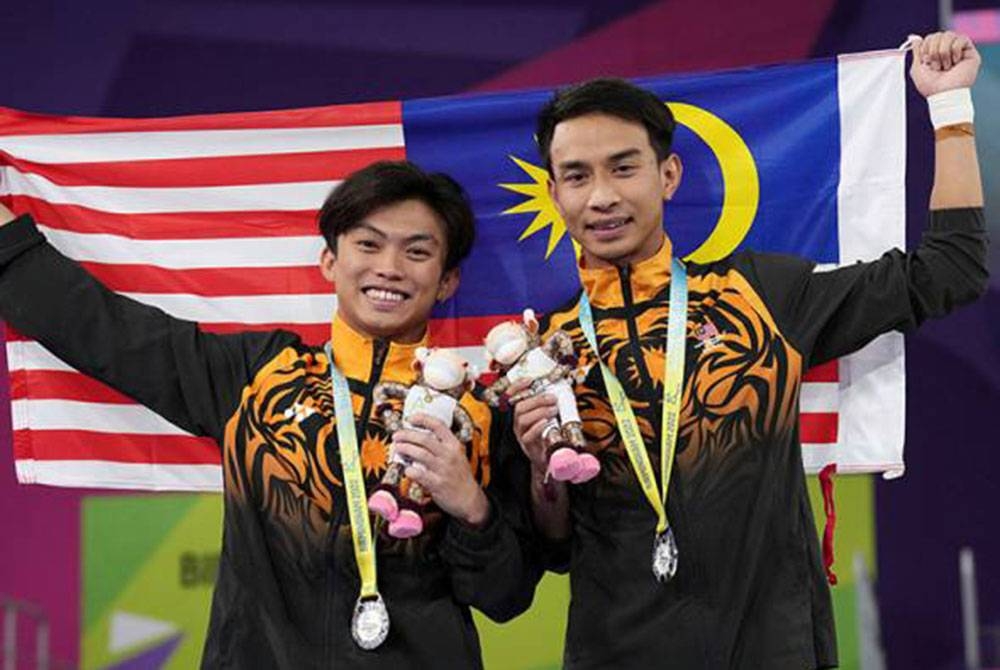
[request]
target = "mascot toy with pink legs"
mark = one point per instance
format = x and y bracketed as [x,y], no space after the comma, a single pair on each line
[516,353]
[443,376]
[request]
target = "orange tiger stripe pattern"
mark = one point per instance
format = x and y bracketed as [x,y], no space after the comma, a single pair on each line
[280,450]
[742,379]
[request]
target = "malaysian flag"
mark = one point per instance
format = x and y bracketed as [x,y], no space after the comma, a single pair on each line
[212,219]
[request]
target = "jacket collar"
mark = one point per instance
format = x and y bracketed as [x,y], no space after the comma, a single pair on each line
[355,354]
[646,278]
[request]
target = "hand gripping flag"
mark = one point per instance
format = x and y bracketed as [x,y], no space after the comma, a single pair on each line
[212,218]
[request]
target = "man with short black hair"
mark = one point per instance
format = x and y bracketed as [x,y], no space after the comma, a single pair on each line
[696,547]
[294,556]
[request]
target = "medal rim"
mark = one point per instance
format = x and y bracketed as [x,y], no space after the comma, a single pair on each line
[379,607]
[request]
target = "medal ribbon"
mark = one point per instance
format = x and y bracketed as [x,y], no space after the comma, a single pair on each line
[673,388]
[354,481]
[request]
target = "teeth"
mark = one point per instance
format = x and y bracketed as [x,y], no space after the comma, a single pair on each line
[381,294]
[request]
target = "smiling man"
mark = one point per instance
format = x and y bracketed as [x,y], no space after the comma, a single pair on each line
[696,547]
[297,545]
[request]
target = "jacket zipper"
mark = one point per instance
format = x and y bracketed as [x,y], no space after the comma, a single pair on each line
[380,349]
[624,276]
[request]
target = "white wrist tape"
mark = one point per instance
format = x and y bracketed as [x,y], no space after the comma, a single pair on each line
[951,107]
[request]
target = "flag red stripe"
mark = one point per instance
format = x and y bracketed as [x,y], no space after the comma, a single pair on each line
[167,225]
[825,372]
[14,122]
[11,334]
[216,171]
[466,331]
[818,427]
[62,385]
[59,445]
[211,281]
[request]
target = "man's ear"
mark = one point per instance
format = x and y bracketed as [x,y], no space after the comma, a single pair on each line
[448,284]
[327,259]
[671,171]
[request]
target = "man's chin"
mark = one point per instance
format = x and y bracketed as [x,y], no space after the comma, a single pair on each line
[392,327]
[610,253]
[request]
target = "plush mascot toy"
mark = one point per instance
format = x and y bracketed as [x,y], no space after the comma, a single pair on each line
[443,376]
[516,353]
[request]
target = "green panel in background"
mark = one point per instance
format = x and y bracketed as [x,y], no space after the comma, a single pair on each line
[854,496]
[115,544]
[534,640]
[155,602]
[148,564]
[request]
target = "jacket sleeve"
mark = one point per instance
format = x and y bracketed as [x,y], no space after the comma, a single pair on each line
[192,379]
[495,568]
[829,314]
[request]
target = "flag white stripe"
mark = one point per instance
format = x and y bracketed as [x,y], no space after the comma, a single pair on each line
[852,459]
[92,416]
[242,252]
[871,207]
[819,397]
[871,194]
[309,308]
[114,475]
[128,146]
[33,356]
[293,196]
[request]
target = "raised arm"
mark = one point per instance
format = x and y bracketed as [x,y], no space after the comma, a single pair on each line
[943,69]
[830,314]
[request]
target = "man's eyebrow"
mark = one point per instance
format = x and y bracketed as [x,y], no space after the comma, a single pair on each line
[371,229]
[623,155]
[572,165]
[410,239]
[422,237]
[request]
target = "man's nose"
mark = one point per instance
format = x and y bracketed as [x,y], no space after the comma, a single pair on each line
[388,263]
[603,195]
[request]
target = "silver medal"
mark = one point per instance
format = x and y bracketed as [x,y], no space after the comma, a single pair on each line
[370,623]
[665,556]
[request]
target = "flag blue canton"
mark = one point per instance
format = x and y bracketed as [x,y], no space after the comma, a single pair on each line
[786,116]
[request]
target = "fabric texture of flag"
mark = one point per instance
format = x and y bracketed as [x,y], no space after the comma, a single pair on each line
[212,219]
